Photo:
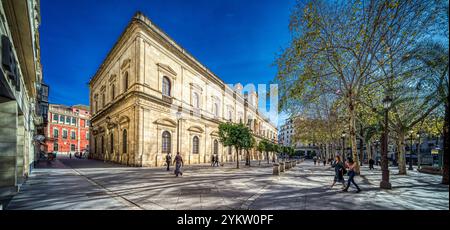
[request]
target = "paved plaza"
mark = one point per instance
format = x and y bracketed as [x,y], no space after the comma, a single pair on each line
[89,184]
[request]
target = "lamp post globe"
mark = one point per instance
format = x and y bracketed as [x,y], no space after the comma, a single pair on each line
[179,116]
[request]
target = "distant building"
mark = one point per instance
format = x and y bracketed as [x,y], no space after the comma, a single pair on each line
[286,133]
[68,128]
[286,137]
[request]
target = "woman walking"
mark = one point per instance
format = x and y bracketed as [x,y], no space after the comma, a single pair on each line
[178,164]
[350,165]
[339,172]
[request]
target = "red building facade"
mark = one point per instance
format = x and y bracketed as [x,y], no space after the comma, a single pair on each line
[67,129]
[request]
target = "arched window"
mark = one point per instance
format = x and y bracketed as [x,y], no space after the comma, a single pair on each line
[195,100]
[125,81]
[166,142]
[195,145]
[166,87]
[111,137]
[124,141]
[216,147]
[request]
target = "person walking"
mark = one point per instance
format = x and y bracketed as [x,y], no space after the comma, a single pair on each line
[371,163]
[213,159]
[315,160]
[324,162]
[178,164]
[168,160]
[350,165]
[70,155]
[216,160]
[338,172]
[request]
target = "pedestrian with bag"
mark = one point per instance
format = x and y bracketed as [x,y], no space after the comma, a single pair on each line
[339,171]
[350,165]
[178,164]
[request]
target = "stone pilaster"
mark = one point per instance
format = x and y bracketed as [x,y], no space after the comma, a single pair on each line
[8,146]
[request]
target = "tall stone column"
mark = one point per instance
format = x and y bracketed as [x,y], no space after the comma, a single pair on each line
[8,147]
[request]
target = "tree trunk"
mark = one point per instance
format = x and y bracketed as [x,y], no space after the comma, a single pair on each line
[369,150]
[446,144]
[361,150]
[249,158]
[267,157]
[237,158]
[401,154]
[352,130]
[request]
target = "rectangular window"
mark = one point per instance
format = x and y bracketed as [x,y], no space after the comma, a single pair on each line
[72,147]
[61,119]
[68,120]
[74,121]
[87,135]
[64,135]
[55,146]
[55,133]
[88,123]
[72,135]
[55,117]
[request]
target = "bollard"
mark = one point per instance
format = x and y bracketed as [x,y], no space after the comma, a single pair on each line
[282,167]
[276,169]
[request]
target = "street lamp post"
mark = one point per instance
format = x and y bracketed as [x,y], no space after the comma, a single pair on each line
[343,145]
[385,184]
[178,130]
[410,151]
[418,149]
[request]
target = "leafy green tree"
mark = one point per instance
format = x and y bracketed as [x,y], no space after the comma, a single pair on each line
[249,143]
[235,135]
[341,48]
[261,148]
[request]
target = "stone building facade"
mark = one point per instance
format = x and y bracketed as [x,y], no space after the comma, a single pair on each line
[22,92]
[150,97]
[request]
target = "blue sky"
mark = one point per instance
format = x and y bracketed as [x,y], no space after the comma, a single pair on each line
[236,39]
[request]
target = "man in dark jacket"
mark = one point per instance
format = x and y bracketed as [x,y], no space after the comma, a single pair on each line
[371,163]
[168,160]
